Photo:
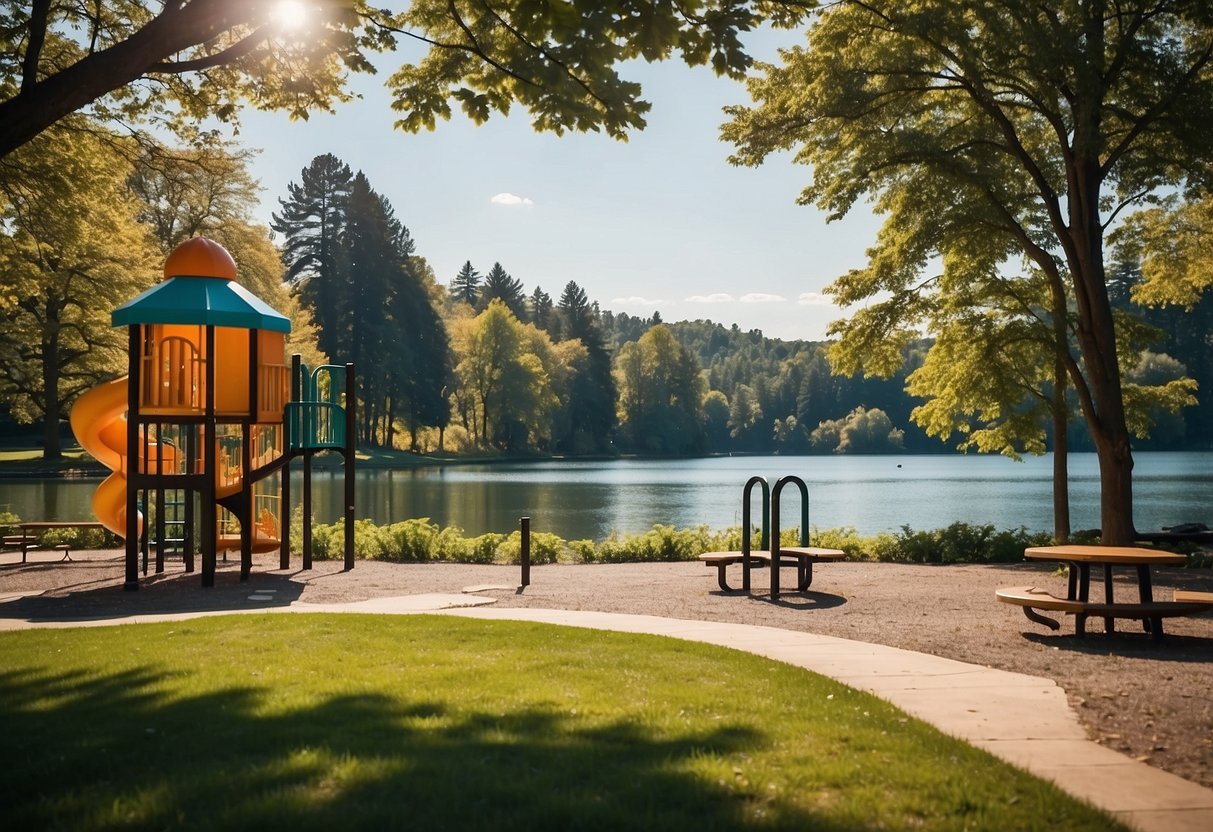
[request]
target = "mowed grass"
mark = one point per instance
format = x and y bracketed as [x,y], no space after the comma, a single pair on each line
[328,722]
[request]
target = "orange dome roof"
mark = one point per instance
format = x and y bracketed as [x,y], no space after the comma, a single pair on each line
[200,257]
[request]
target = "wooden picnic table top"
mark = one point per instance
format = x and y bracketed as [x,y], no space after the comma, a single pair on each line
[1128,555]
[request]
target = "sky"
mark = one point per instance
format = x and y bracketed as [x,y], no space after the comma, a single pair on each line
[660,223]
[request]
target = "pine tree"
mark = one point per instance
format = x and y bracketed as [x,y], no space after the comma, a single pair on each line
[499,285]
[466,285]
[312,220]
[592,404]
[541,310]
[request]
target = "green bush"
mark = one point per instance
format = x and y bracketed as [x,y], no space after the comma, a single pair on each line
[483,549]
[545,548]
[965,543]
[422,541]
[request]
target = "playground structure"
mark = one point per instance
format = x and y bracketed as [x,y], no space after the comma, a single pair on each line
[201,433]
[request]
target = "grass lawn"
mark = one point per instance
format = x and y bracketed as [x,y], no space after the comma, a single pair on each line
[426,722]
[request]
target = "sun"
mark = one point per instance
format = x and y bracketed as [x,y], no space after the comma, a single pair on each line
[289,14]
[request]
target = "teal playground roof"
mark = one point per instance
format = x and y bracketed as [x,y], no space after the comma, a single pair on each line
[210,301]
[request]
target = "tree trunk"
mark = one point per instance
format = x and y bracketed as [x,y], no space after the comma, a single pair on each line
[1061,472]
[1104,408]
[51,449]
[1061,422]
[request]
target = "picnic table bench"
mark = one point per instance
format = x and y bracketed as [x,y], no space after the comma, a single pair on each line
[1032,598]
[802,557]
[1077,601]
[28,540]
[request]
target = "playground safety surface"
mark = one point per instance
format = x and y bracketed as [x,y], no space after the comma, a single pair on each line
[1147,701]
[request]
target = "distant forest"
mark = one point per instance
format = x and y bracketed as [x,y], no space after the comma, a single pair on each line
[480,362]
[477,362]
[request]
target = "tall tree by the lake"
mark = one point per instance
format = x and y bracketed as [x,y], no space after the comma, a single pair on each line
[989,132]
[353,264]
[660,395]
[312,221]
[592,408]
[504,372]
[70,251]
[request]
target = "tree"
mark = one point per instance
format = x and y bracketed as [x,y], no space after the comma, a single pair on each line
[499,285]
[312,220]
[466,285]
[507,385]
[987,131]
[744,412]
[178,63]
[539,307]
[660,394]
[70,252]
[192,191]
[592,409]
[862,431]
[207,190]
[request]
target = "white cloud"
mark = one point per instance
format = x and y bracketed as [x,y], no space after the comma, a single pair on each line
[636,300]
[510,199]
[718,297]
[813,299]
[762,297]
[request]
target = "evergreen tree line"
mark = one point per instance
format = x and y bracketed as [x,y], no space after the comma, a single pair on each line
[483,364]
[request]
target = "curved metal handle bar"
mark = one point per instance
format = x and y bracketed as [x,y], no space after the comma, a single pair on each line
[804,510]
[804,524]
[745,513]
[745,525]
[336,375]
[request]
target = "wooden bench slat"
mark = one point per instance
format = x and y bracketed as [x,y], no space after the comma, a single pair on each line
[1192,596]
[1030,596]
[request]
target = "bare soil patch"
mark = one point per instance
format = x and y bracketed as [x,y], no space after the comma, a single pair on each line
[1151,701]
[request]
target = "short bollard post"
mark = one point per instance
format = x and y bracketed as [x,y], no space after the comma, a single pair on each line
[526,551]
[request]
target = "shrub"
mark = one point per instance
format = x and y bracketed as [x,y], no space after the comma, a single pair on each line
[545,548]
[483,549]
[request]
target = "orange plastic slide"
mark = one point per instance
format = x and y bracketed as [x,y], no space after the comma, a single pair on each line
[99,422]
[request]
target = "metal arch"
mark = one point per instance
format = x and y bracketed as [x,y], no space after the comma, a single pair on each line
[764,540]
[804,524]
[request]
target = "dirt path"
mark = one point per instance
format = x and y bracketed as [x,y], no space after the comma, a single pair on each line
[1151,701]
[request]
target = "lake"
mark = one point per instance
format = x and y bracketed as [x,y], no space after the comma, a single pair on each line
[588,499]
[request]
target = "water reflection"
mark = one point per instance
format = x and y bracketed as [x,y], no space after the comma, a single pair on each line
[590,499]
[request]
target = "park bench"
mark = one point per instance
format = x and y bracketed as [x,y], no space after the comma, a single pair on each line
[29,543]
[1192,596]
[802,557]
[1031,598]
[723,560]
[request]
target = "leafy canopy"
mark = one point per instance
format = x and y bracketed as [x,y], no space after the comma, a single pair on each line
[178,63]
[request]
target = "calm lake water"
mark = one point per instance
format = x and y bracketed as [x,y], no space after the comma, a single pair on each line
[590,499]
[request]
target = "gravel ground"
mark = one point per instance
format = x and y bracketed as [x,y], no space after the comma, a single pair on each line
[1151,701]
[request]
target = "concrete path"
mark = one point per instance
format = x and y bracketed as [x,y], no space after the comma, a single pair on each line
[1024,720]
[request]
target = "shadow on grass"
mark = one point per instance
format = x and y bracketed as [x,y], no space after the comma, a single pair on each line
[114,751]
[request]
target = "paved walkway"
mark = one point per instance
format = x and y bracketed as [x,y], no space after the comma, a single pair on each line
[1024,720]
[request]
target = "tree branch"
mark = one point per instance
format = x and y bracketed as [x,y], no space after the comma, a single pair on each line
[224,56]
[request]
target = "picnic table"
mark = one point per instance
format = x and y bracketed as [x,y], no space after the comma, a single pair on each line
[27,540]
[802,557]
[1079,559]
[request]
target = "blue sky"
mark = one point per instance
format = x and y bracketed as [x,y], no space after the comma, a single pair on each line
[660,223]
